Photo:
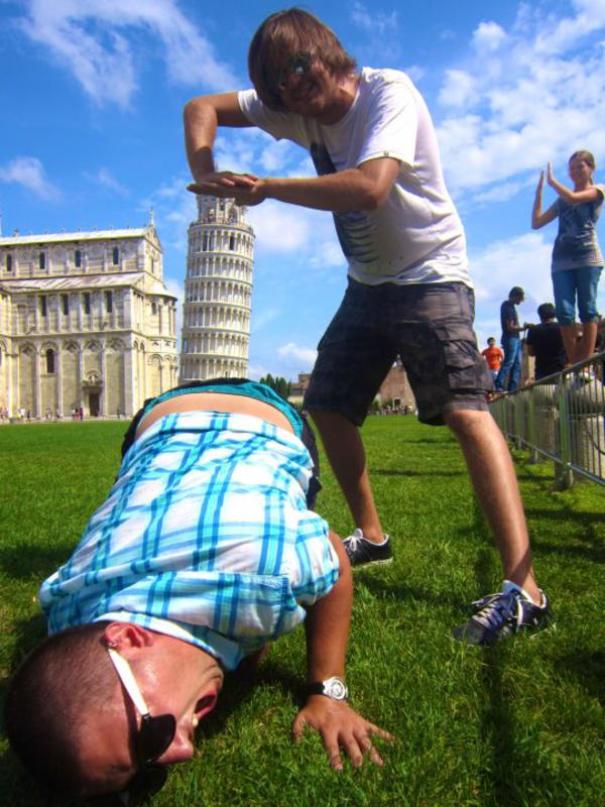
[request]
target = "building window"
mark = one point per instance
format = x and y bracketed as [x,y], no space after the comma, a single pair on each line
[50,360]
[116,256]
[9,263]
[232,242]
[108,302]
[43,308]
[42,260]
[78,258]
[154,309]
[65,303]
[86,302]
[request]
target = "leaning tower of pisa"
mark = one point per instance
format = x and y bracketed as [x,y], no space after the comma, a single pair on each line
[218,292]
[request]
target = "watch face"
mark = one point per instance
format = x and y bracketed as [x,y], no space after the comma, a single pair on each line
[336,689]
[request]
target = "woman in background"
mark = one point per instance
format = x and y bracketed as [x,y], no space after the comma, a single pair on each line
[576,256]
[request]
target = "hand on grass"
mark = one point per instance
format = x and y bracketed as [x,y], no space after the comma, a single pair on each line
[340,728]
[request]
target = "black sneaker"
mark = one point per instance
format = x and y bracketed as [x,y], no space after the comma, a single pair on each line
[361,551]
[502,614]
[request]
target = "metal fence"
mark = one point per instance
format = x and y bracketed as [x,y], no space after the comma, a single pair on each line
[562,418]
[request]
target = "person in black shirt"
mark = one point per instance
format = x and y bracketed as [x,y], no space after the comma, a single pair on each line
[544,341]
[509,376]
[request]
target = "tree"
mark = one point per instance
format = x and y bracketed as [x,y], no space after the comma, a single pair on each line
[279,384]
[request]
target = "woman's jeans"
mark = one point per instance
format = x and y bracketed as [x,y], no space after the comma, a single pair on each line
[582,281]
[510,373]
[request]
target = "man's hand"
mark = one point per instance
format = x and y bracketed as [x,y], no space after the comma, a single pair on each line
[340,727]
[222,183]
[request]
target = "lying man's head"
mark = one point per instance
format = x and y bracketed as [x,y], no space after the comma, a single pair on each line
[103,707]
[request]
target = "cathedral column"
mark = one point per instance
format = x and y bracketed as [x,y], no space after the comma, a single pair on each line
[37,384]
[104,380]
[80,375]
[59,377]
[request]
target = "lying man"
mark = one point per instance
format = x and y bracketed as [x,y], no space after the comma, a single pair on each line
[204,551]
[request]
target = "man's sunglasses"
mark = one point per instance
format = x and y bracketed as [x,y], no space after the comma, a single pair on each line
[299,64]
[150,742]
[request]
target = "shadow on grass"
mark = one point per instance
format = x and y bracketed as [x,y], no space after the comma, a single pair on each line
[30,560]
[238,689]
[391,472]
[588,669]
[389,590]
[496,726]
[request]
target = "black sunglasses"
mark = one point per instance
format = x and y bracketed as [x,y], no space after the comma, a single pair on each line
[299,64]
[150,742]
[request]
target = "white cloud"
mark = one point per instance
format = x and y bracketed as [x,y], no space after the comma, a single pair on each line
[457,90]
[105,178]
[376,23]
[488,36]
[92,40]
[279,227]
[524,96]
[29,172]
[519,261]
[304,355]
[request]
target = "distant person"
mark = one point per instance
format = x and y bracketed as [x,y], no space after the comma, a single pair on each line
[494,356]
[509,376]
[545,342]
[374,147]
[205,550]
[576,258]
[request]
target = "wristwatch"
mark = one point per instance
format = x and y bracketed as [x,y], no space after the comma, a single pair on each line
[334,688]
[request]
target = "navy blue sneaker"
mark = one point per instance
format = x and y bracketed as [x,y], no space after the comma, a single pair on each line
[503,614]
[361,551]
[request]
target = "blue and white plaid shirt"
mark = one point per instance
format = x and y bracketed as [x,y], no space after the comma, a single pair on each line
[205,536]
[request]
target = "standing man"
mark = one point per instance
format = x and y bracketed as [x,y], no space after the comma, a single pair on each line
[494,356]
[509,376]
[545,342]
[374,147]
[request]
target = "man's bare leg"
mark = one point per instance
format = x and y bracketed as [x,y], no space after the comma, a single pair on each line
[346,455]
[495,483]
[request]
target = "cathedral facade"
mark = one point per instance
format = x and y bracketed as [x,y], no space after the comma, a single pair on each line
[218,292]
[86,323]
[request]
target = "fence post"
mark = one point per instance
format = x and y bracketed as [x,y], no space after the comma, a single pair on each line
[531,427]
[563,472]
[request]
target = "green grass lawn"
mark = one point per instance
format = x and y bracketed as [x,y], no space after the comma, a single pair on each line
[519,724]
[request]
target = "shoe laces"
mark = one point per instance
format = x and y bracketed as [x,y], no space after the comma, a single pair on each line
[354,540]
[496,610]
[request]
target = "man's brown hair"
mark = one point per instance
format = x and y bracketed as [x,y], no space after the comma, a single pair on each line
[283,35]
[60,686]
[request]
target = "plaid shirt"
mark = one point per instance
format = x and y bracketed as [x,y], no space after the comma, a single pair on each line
[204,536]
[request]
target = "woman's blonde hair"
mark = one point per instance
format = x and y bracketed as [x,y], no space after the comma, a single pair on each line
[284,35]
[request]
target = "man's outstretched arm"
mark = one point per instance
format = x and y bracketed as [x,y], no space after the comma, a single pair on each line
[327,630]
[202,116]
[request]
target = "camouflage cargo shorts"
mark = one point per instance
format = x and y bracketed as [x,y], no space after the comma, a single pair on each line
[429,327]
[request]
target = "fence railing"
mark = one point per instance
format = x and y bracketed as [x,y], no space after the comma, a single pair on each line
[562,418]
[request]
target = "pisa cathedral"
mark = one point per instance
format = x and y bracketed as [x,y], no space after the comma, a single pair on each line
[218,292]
[86,322]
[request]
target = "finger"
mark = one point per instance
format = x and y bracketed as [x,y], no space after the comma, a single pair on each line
[371,752]
[355,750]
[333,751]
[384,735]
[298,727]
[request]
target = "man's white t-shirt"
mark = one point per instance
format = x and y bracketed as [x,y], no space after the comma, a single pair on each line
[416,235]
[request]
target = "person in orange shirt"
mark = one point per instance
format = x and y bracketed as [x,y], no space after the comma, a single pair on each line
[494,356]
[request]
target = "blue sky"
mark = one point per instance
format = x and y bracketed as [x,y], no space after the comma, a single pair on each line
[91,94]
